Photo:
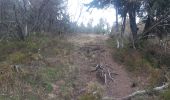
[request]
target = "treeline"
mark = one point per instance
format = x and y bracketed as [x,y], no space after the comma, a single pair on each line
[155,14]
[101,28]
[20,18]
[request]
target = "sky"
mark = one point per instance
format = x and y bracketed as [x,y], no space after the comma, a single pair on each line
[79,13]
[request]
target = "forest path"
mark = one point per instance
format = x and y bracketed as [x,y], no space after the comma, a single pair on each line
[92,49]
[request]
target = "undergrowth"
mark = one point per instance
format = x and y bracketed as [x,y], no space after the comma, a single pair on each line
[147,60]
[94,92]
[35,79]
[165,95]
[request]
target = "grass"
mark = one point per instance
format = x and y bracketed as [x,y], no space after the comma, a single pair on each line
[94,92]
[36,79]
[147,60]
[88,97]
[17,57]
[147,53]
[165,95]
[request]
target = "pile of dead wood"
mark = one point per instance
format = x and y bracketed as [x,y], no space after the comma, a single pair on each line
[103,72]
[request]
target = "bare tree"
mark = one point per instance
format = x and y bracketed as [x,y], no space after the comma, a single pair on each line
[26,16]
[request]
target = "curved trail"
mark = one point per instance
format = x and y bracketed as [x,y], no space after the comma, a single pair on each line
[91,49]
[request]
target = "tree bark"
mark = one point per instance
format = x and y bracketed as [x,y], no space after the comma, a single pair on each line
[117,25]
[18,27]
[132,18]
[117,29]
[123,26]
[148,24]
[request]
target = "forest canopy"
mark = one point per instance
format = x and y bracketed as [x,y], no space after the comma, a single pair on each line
[155,14]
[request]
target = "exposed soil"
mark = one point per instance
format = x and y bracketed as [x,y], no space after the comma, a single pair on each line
[91,50]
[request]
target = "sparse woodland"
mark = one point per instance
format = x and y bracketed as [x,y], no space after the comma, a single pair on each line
[46,56]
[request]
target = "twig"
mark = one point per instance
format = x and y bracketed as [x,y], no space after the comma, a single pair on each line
[97,67]
[105,77]
[156,24]
[110,75]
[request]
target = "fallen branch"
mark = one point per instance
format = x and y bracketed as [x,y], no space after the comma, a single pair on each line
[142,92]
[111,77]
[103,72]
[16,68]
[97,67]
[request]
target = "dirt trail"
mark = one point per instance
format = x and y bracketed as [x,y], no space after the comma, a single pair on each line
[92,50]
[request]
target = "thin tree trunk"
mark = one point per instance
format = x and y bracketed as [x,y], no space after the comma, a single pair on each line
[117,29]
[132,18]
[26,30]
[117,25]
[123,27]
[18,27]
[148,24]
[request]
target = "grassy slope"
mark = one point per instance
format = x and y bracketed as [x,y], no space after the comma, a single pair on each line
[148,61]
[37,78]
[48,71]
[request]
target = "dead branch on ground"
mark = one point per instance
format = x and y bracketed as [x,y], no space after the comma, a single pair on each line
[143,92]
[137,93]
[104,73]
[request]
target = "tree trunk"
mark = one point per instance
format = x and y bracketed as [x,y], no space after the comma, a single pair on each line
[117,25]
[132,18]
[123,26]
[117,29]
[26,31]
[148,24]
[19,26]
